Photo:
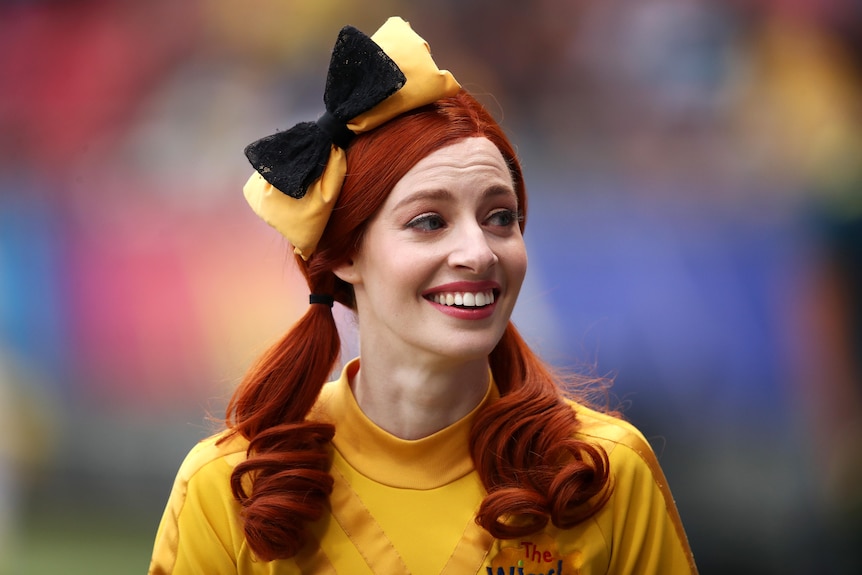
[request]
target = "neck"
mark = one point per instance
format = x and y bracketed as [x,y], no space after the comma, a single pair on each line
[413,401]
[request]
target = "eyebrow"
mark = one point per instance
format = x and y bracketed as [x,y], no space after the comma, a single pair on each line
[440,194]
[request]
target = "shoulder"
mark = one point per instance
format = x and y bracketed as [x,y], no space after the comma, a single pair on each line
[611,432]
[641,513]
[201,512]
[632,460]
[216,455]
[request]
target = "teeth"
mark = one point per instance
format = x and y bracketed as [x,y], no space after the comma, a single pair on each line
[465,299]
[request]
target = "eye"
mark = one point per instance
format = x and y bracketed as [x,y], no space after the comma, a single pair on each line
[504,218]
[427,223]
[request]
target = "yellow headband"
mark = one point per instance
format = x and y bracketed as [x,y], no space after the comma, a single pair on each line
[301,214]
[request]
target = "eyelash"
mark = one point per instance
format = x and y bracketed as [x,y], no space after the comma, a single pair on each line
[513,217]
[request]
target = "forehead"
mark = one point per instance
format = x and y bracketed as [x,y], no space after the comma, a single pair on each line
[468,162]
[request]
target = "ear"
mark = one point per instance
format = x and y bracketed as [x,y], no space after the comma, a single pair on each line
[348,272]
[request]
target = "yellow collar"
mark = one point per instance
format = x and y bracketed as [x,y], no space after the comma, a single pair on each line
[423,463]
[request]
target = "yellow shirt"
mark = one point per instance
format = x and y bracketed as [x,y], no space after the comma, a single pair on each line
[402,506]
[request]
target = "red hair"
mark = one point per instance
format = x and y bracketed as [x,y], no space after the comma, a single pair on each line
[533,468]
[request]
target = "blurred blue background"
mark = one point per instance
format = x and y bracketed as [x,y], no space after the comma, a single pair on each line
[695,178]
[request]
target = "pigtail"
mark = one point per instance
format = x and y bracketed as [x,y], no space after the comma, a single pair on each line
[525,452]
[284,484]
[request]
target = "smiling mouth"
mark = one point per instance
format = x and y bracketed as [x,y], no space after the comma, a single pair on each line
[464,299]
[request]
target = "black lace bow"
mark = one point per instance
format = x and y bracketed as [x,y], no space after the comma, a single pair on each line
[360,76]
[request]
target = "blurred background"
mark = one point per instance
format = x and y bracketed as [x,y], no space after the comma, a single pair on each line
[695,232]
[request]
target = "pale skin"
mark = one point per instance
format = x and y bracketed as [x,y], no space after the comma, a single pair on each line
[449,228]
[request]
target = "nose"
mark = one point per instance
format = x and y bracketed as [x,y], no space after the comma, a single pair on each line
[471,249]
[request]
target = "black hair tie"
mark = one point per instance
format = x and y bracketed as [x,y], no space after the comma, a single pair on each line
[323,299]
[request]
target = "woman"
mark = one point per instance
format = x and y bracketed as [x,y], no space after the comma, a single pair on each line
[447,446]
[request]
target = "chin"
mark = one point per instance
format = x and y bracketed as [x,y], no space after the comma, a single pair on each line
[467,352]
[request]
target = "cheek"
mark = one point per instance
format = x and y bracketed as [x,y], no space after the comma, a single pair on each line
[521,270]
[516,256]
[397,273]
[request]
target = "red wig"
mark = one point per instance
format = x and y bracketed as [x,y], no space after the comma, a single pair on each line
[532,467]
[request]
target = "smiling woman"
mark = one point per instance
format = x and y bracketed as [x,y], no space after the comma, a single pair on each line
[447,446]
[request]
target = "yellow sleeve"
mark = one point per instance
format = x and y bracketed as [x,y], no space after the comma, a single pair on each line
[200,530]
[642,524]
